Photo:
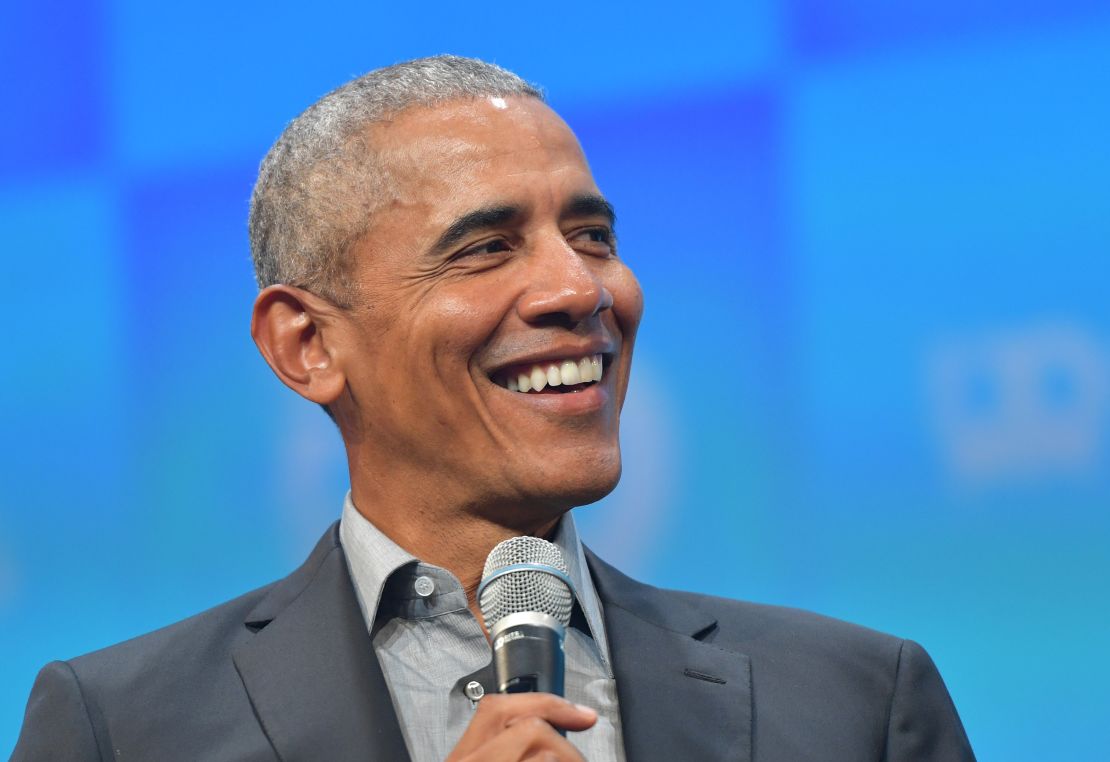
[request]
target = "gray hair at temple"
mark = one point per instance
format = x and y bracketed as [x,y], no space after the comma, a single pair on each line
[320,182]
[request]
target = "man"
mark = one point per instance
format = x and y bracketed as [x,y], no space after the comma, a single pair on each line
[440,272]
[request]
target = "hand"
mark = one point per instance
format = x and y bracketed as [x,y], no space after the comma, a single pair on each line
[521,726]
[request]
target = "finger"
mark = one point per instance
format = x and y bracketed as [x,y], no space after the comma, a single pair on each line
[503,709]
[528,737]
[496,711]
[543,756]
[566,716]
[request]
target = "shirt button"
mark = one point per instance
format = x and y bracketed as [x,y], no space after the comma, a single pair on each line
[424,586]
[474,690]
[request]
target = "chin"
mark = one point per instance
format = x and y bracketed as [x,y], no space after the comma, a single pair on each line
[578,481]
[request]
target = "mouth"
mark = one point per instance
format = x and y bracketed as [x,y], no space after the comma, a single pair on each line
[566,376]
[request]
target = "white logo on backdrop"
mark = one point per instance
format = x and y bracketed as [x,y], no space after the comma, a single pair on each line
[1021,403]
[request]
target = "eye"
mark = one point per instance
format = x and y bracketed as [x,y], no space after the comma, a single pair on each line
[597,241]
[494,246]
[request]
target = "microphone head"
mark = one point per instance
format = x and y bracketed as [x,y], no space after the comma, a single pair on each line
[540,584]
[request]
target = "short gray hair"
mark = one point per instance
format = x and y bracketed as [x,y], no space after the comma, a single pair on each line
[321,181]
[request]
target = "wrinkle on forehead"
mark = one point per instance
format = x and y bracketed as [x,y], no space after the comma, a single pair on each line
[432,152]
[472,133]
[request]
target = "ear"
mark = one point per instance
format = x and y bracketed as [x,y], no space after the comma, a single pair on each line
[293,330]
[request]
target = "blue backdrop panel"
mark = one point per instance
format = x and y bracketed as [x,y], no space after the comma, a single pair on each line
[54,58]
[954,364]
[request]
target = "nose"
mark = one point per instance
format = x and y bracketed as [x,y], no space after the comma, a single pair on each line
[564,288]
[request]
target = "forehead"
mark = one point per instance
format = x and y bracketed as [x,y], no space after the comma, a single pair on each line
[459,147]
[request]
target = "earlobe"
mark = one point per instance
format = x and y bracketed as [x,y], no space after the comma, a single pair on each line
[292,329]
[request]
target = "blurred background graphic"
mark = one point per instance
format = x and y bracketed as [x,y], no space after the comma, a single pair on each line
[873,378]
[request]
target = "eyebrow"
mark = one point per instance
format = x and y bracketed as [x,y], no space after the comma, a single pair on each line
[590,205]
[582,205]
[479,219]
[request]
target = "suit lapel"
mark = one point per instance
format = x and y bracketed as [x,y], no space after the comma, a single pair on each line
[310,669]
[680,697]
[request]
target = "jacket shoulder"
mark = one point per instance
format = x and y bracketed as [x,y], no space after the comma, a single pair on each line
[732,623]
[136,695]
[789,628]
[202,641]
[818,683]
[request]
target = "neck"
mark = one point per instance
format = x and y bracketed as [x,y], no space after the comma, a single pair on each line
[454,535]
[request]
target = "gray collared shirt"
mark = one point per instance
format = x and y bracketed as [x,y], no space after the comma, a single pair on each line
[434,654]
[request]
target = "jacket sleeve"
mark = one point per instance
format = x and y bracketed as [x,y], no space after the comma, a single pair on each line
[923,724]
[56,725]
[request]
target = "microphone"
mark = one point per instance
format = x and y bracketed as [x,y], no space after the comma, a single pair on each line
[525,597]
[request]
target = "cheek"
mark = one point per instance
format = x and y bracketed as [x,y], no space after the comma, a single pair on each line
[454,328]
[458,306]
[628,301]
[478,303]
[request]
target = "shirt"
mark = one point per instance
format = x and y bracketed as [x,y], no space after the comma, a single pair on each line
[435,657]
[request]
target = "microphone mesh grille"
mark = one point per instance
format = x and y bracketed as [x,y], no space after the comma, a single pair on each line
[525,590]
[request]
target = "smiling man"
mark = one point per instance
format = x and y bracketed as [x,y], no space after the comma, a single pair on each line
[439,270]
[476,356]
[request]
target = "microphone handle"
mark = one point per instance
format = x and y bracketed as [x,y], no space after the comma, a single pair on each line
[529,658]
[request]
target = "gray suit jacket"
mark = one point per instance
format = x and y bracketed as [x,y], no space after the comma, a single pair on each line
[288,672]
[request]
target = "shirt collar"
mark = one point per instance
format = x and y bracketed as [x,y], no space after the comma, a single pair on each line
[566,537]
[373,558]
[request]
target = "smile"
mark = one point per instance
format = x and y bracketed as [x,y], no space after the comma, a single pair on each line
[557,376]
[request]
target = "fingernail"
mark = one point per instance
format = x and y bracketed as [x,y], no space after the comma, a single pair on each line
[586,709]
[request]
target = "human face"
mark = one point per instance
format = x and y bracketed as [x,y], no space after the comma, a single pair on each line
[493,256]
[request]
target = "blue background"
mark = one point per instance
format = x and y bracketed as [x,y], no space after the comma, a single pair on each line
[873,379]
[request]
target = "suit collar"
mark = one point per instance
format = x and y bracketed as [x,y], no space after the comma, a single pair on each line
[310,669]
[681,697]
[567,540]
[319,692]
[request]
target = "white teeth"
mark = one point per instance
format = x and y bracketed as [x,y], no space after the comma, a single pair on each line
[564,373]
[539,378]
[585,370]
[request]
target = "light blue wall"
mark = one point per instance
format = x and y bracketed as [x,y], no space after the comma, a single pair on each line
[873,379]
